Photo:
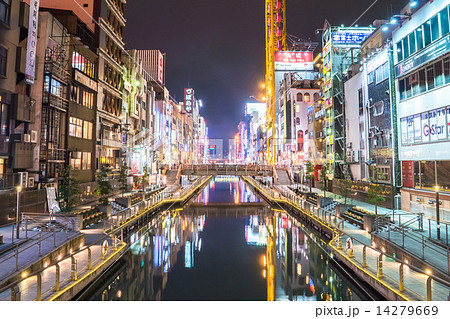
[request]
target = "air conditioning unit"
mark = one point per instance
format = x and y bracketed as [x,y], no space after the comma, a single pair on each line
[23,179]
[349,144]
[33,136]
[30,182]
[350,156]
[26,138]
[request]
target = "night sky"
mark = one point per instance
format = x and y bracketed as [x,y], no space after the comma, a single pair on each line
[217,47]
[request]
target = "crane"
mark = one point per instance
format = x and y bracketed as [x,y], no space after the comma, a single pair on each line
[275,41]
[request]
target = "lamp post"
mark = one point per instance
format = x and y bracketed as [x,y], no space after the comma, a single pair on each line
[436,188]
[19,189]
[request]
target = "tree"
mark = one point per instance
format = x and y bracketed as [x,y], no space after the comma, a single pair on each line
[68,190]
[310,174]
[145,178]
[104,186]
[123,179]
[375,190]
[345,183]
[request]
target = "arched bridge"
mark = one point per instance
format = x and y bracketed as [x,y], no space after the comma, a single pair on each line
[227,169]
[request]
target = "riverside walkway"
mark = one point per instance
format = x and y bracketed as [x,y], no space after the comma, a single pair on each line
[394,278]
[413,232]
[62,276]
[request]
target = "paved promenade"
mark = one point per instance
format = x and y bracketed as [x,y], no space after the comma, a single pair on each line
[414,281]
[423,244]
[59,277]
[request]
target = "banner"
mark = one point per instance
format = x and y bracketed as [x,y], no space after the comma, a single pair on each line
[294,61]
[188,100]
[33,21]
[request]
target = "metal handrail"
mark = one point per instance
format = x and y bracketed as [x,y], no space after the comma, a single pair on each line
[55,263]
[20,249]
[340,233]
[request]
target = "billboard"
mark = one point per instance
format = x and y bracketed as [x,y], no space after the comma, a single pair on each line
[251,107]
[294,61]
[188,100]
[30,67]
[350,37]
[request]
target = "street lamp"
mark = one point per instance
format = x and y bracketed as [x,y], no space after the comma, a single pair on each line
[436,188]
[19,189]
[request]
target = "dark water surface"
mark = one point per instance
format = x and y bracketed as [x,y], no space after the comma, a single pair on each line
[215,249]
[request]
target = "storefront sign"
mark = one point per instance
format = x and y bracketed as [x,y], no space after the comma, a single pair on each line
[349,37]
[426,127]
[432,52]
[33,21]
[294,61]
[408,174]
[188,100]
[86,81]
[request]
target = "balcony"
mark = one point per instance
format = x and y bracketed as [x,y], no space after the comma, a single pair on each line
[55,101]
[111,139]
[56,155]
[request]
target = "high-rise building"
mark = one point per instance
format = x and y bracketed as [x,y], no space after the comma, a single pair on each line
[341,57]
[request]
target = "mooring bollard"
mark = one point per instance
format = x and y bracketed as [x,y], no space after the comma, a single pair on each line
[380,266]
[89,266]
[16,295]
[429,292]
[39,287]
[401,278]
[365,256]
[57,277]
[73,275]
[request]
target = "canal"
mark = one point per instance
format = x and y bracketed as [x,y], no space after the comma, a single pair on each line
[215,248]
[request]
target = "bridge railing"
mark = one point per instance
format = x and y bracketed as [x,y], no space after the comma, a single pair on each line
[227,169]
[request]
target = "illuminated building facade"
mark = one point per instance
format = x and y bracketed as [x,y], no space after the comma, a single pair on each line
[341,55]
[422,78]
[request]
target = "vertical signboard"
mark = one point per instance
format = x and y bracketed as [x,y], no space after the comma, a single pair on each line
[188,100]
[160,68]
[30,67]
[408,174]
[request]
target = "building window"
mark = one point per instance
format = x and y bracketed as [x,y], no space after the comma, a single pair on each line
[419,38]
[443,15]
[382,73]
[316,96]
[75,127]
[53,86]
[3,118]
[307,97]
[86,164]
[82,96]
[297,121]
[297,108]
[299,97]
[434,28]
[3,58]
[87,130]
[5,11]
[75,160]
[83,64]
[378,108]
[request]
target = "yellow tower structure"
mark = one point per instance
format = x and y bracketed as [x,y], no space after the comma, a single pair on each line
[275,41]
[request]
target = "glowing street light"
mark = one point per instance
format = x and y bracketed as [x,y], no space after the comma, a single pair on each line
[19,189]
[436,188]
